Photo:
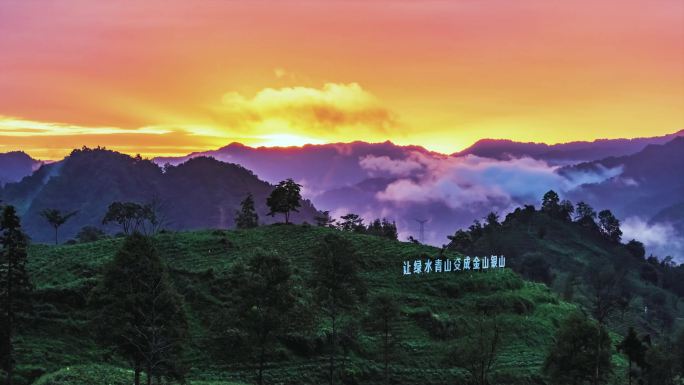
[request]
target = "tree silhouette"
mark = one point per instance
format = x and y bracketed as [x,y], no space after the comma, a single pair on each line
[264,301]
[56,219]
[478,352]
[550,203]
[635,350]
[610,226]
[571,359]
[323,219]
[352,222]
[15,286]
[141,315]
[247,217]
[337,286]
[284,199]
[384,312]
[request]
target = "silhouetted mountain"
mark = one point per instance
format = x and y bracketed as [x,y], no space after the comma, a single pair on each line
[16,165]
[651,180]
[201,193]
[319,167]
[571,152]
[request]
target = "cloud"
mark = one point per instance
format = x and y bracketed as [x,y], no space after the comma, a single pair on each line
[386,165]
[660,239]
[305,110]
[462,181]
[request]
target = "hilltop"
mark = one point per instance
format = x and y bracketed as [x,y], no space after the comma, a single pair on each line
[201,193]
[437,311]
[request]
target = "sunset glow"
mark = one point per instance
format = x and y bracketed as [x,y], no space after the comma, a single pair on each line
[173,77]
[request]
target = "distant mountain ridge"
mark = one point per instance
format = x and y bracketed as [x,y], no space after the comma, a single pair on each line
[201,193]
[651,184]
[16,165]
[571,152]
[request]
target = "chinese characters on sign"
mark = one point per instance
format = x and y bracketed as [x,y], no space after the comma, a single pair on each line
[438,265]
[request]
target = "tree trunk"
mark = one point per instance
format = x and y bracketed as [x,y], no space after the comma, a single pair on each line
[137,374]
[629,372]
[386,351]
[56,238]
[598,354]
[261,365]
[149,375]
[334,350]
[10,323]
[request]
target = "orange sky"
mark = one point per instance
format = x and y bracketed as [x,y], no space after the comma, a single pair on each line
[166,77]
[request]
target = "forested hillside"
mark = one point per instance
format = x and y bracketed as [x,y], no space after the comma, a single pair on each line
[202,193]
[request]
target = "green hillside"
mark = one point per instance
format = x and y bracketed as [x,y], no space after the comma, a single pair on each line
[437,311]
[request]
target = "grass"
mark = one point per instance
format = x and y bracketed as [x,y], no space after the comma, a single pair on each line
[56,346]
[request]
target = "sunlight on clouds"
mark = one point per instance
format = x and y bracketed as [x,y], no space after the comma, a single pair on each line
[19,127]
[320,114]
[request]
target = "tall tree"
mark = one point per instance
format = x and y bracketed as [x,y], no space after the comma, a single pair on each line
[389,229]
[384,312]
[635,350]
[140,314]
[604,285]
[15,286]
[128,215]
[324,219]
[56,219]
[263,302]
[247,217]
[610,226]
[478,353]
[284,199]
[337,285]
[571,359]
[352,222]
[565,210]
[550,203]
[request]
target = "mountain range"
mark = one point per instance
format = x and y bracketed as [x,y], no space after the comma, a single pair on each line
[639,179]
[200,193]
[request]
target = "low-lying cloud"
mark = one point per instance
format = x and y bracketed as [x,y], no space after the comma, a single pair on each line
[463,181]
[660,239]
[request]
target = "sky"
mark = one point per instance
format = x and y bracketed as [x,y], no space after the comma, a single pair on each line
[169,77]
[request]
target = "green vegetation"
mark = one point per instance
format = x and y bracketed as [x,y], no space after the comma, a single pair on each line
[302,304]
[436,311]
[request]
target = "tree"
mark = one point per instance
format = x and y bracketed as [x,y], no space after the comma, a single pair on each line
[492,221]
[264,302]
[337,286]
[571,359]
[247,217]
[15,286]
[635,350]
[478,351]
[636,248]
[90,234]
[140,314]
[460,241]
[284,199]
[660,366]
[128,215]
[351,222]
[389,229]
[384,312]
[610,226]
[565,210]
[604,294]
[56,219]
[550,203]
[323,219]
